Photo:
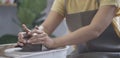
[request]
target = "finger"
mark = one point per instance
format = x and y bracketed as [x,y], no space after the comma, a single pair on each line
[41,27]
[40,41]
[21,37]
[34,32]
[43,35]
[35,40]
[32,39]
[38,37]
[37,31]
[36,27]
[20,44]
[21,33]
[25,28]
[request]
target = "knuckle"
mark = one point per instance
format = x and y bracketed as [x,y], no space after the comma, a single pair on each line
[19,33]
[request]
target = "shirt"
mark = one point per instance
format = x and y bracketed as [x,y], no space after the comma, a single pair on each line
[75,6]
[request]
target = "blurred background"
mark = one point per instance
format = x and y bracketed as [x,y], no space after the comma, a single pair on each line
[13,13]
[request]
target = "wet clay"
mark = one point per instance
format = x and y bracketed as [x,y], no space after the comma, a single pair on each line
[31,47]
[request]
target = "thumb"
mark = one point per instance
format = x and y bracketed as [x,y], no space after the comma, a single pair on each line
[25,28]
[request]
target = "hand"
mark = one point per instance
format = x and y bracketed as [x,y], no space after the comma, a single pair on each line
[36,37]
[41,38]
[23,35]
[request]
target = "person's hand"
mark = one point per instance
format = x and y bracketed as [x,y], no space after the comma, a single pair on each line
[23,35]
[41,38]
[34,36]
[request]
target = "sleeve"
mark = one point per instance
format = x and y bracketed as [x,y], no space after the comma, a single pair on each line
[107,2]
[58,6]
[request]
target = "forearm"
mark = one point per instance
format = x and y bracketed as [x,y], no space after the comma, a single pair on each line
[77,37]
[52,21]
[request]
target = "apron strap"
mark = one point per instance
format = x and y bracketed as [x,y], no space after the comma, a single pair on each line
[98,1]
[65,7]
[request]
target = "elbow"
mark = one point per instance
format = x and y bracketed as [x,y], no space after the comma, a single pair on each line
[96,31]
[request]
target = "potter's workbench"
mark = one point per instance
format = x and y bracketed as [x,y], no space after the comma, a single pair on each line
[3,47]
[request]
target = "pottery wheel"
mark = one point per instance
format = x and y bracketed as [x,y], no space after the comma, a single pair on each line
[17,52]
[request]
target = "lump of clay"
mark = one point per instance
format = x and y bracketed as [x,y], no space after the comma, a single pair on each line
[31,47]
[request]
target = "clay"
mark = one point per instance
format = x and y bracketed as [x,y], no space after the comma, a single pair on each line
[31,47]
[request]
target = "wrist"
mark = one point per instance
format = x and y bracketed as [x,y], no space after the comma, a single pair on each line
[54,44]
[51,44]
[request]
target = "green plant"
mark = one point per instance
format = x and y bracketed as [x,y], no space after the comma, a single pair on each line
[28,10]
[8,39]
